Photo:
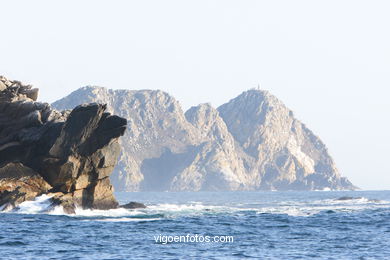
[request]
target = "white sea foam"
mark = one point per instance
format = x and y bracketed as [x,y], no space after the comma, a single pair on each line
[58,210]
[179,210]
[125,219]
[292,208]
[165,210]
[120,212]
[38,205]
[184,207]
[315,207]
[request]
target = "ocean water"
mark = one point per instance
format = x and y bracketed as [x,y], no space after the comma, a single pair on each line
[263,225]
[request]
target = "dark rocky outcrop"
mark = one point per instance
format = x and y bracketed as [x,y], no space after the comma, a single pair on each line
[349,198]
[68,155]
[133,205]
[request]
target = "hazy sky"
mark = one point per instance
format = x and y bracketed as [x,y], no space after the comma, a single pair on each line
[328,61]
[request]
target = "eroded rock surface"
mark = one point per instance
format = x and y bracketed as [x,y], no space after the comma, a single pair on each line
[68,155]
[19,183]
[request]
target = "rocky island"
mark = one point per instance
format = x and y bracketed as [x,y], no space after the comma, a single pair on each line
[67,155]
[252,142]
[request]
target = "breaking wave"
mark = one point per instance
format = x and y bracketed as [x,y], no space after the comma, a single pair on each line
[154,212]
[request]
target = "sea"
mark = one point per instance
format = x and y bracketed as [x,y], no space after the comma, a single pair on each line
[206,225]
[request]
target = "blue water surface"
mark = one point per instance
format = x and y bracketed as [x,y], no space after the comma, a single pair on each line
[264,225]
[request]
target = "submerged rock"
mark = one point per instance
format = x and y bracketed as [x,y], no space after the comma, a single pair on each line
[349,198]
[69,155]
[133,205]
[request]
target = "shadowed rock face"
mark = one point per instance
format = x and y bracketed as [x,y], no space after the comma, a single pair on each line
[68,154]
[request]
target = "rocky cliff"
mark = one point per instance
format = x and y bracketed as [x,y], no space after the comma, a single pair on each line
[280,153]
[253,142]
[68,155]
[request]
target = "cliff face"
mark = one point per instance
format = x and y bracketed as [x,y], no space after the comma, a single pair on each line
[68,155]
[253,142]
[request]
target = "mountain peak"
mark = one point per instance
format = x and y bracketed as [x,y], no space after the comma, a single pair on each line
[251,142]
[204,110]
[258,90]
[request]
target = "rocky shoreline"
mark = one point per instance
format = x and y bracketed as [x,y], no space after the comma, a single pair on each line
[67,155]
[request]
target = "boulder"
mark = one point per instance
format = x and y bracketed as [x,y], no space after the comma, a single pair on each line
[133,205]
[19,183]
